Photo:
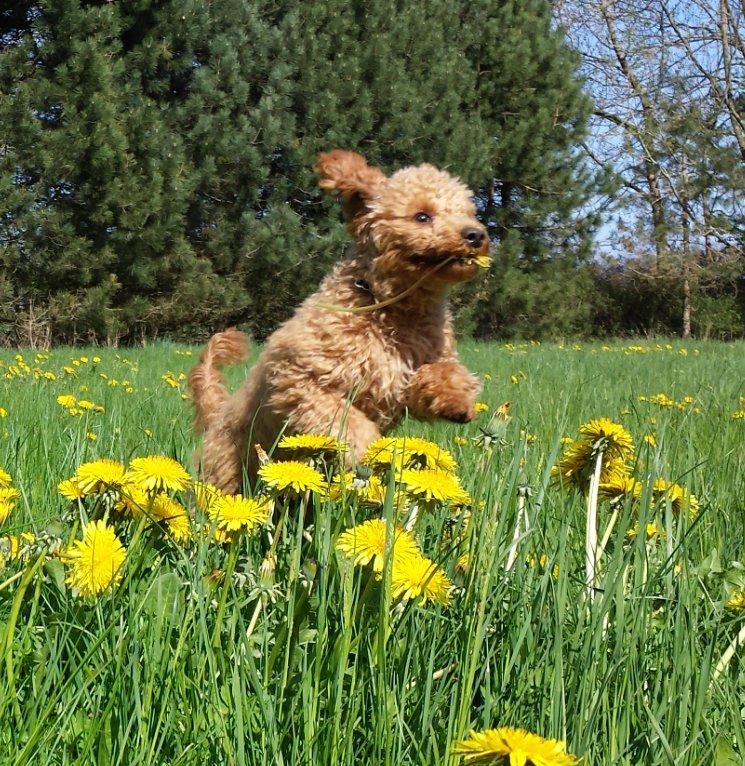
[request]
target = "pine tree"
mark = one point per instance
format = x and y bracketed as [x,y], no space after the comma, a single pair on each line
[95,194]
[157,172]
[536,183]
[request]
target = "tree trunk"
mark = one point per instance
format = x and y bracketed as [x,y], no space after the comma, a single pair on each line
[686,275]
[686,307]
[657,207]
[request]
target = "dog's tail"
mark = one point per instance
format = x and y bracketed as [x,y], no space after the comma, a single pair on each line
[205,382]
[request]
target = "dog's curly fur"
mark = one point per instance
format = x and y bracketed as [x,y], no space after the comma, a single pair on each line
[354,375]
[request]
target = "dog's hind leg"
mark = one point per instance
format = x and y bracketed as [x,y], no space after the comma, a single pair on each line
[322,412]
[221,458]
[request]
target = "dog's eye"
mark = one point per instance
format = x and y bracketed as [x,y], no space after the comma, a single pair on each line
[422,217]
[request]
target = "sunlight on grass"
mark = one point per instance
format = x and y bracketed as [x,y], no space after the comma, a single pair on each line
[434,602]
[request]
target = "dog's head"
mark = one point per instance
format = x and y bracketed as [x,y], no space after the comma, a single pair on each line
[413,220]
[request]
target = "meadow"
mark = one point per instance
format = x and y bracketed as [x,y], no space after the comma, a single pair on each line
[275,646]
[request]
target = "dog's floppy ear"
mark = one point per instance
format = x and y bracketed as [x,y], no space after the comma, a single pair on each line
[349,175]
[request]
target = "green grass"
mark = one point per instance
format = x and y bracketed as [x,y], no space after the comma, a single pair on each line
[313,666]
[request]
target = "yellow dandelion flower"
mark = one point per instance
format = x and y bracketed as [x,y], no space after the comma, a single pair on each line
[662,400]
[516,747]
[503,411]
[3,412]
[366,543]
[652,530]
[482,261]
[4,478]
[293,475]
[430,485]
[680,498]
[166,509]
[577,464]
[650,440]
[70,489]
[541,562]
[614,439]
[574,462]
[205,495]
[66,400]
[461,441]
[368,490]
[461,565]
[95,561]
[736,601]
[429,454]
[98,475]
[157,473]
[619,486]
[133,499]
[311,444]
[219,535]
[481,407]
[91,436]
[235,513]
[6,508]
[406,451]
[14,547]
[385,451]
[416,577]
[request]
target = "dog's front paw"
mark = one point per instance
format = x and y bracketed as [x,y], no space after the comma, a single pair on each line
[443,390]
[458,412]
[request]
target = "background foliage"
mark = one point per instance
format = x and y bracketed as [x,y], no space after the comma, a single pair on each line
[156,164]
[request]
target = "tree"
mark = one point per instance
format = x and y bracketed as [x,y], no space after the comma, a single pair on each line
[157,166]
[536,186]
[665,78]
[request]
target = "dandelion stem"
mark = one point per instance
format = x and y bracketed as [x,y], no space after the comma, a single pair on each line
[512,556]
[728,654]
[254,618]
[11,580]
[608,532]
[229,569]
[413,515]
[592,527]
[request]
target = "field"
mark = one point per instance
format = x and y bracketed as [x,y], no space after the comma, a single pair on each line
[198,654]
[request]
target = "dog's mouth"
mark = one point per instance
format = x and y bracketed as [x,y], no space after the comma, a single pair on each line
[480,259]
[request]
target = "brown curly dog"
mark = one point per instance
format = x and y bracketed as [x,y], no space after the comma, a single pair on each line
[329,370]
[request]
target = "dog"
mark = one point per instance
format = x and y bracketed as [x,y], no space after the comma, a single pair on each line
[373,343]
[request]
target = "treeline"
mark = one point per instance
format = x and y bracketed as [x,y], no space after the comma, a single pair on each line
[156,163]
[668,85]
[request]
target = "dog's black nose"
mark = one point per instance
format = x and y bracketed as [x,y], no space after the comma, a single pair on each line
[474,237]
